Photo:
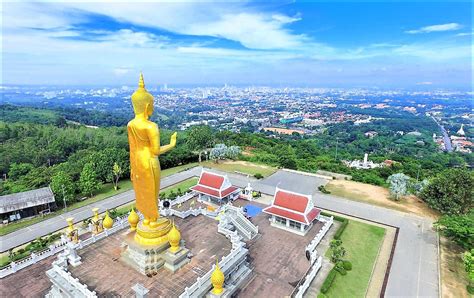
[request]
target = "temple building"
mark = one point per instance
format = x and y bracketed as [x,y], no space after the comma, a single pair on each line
[215,188]
[26,204]
[292,211]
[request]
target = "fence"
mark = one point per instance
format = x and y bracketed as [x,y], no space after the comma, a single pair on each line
[203,283]
[120,223]
[71,283]
[311,247]
[309,278]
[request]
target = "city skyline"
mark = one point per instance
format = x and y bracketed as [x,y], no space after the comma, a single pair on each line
[347,44]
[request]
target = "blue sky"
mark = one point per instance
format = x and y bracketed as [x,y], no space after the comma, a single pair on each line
[327,44]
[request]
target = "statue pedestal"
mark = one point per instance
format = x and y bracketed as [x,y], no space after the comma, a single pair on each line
[176,260]
[149,258]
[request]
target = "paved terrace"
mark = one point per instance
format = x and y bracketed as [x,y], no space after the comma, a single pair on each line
[414,270]
[104,273]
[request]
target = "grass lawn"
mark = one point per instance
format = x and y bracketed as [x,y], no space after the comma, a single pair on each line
[362,242]
[240,166]
[107,190]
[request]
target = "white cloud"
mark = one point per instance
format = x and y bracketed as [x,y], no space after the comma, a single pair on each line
[465,34]
[254,31]
[436,28]
[120,71]
[424,83]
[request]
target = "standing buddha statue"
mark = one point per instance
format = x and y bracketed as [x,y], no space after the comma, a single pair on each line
[144,141]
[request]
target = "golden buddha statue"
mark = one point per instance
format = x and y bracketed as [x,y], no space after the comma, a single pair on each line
[144,141]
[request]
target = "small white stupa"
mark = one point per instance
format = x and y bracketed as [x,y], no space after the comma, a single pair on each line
[461,131]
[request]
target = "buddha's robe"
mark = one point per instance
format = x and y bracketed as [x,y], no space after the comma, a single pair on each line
[143,137]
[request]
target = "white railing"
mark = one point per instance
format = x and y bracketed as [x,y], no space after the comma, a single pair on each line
[182,199]
[244,225]
[203,283]
[184,214]
[309,278]
[73,282]
[119,224]
[311,247]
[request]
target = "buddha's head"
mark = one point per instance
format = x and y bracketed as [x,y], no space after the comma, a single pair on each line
[142,101]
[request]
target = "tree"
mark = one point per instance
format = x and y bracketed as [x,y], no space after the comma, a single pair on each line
[19,169]
[468,258]
[63,187]
[450,192]
[218,152]
[337,251]
[459,228]
[398,185]
[287,161]
[233,152]
[200,138]
[117,172]
[88,180]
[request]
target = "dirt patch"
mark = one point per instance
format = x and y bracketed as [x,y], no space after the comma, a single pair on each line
[378,195]
[453,276]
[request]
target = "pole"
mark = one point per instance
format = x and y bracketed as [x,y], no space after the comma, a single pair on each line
[64,198]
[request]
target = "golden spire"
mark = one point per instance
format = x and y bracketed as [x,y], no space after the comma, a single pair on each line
[141,98]
[174,237]
[108,221]
[141,82]
[133,219]
[217,280]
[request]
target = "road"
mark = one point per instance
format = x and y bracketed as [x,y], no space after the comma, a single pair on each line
[447,141]
[414,270]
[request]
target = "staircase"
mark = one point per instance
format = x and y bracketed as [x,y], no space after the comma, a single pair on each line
[244,226]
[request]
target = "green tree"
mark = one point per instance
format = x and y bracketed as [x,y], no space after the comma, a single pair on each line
[459,228]
[62,187]
[19,169]
[398,185]
[200,138]
[468,258]
[288,162]
[337,251]
[117,172]
[450,192]
[88,180]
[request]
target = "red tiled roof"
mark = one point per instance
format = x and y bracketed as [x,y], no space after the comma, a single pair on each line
[299,217]
[213,192]
[211,180]
[291,201]
[206,190]
[228,191]
[286,214]
[312,214]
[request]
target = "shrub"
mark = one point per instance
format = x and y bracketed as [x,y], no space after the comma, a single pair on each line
[323,189]
[341,229]
[347,265]
[258,176]
[470,289]
[328,282]
[322,295]
[341,270]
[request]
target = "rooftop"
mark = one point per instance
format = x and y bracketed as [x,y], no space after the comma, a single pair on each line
[26,199]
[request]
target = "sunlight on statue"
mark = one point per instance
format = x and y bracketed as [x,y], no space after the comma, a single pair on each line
[144,140]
